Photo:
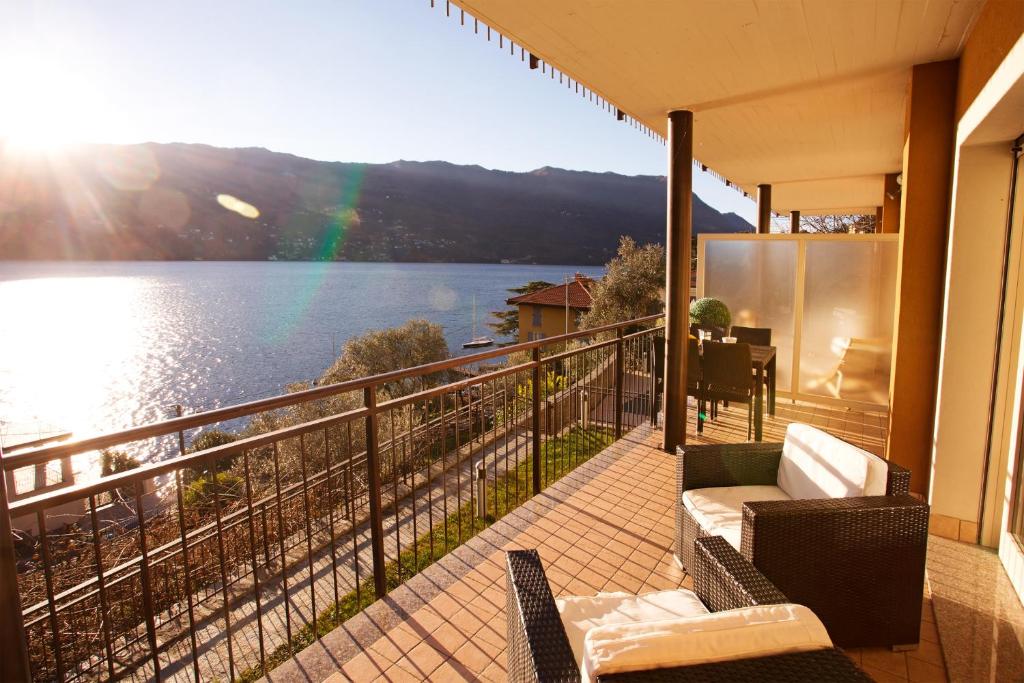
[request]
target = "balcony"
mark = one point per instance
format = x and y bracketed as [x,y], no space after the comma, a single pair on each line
[606,526]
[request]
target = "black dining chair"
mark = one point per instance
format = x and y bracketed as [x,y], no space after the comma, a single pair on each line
[725,376]
[757,336]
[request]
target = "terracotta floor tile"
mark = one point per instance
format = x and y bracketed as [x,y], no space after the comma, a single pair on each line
[885,659]
[423,659]
[363,668]
[473,658]
[614,533]
[925,672]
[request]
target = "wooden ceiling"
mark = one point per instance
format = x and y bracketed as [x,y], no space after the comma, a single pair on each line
[808,95]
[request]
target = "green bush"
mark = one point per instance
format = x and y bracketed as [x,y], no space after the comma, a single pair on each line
[114,462]
[708,312]
[212,439]
[199,493]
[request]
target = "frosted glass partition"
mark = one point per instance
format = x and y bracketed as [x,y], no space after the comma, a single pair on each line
[846,336]
[829,299]
[756,279]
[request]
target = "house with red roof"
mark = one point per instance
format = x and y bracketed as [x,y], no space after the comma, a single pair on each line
[554,310]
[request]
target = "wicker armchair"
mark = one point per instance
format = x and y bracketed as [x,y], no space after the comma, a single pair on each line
[858,563]
[538,649]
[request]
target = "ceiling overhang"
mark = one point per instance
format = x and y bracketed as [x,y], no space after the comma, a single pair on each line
[809,97]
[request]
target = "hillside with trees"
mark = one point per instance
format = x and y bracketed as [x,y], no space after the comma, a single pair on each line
[185,202]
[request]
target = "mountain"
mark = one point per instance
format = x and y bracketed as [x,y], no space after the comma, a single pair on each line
[178,201]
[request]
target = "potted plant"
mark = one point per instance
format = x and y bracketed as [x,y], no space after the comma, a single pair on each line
[708,312]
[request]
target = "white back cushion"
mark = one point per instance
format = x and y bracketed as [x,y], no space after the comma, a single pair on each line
[816,464]
[719,636]
[580,614]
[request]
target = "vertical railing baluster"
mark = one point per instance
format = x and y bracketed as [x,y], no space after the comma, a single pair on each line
[472,467]
[494,446]
[101,585]
[51,601]
[619,369]
[394,495]
[186,566]
[374,492]
[430,478]
[409,458]
[535,404]
[147,595]
[280,543]
[332,502]
[252,555]
[309,530]
[444,470]
[458,466]
[223,568]
[350,485]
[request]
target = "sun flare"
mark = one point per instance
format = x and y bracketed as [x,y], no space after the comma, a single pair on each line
[46,106]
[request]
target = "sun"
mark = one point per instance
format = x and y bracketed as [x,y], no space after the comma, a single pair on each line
[46,105]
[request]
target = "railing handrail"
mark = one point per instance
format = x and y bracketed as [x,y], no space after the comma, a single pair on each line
[202,559]
[178,424]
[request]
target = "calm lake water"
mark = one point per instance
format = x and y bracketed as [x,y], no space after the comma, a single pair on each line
[94,347]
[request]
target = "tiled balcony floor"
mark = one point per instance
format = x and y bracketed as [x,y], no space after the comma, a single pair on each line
[606,526]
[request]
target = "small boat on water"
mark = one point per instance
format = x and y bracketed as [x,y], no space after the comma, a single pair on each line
[477,342]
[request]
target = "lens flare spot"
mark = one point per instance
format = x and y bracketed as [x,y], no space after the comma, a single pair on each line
[238,206]
[441,298]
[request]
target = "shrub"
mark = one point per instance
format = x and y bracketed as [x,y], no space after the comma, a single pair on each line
[199,492]
[708,312]
[114,461]
[212,439]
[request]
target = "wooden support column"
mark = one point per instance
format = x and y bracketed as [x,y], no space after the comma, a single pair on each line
[677,274]
[794,222]
[927,177]
[891,204]
[764,209]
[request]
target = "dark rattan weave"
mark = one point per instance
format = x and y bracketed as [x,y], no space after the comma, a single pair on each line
[538,649]
[724,580]
[857,562]
[818,665]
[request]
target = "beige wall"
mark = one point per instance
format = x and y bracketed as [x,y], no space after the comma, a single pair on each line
[552,321]
[976,251]
[974,261]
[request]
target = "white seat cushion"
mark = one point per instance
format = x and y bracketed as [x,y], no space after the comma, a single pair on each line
[719,509]
[733,634]
[816,464]
[581,613]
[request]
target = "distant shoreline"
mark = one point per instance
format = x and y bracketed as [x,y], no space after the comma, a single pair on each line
[4,260]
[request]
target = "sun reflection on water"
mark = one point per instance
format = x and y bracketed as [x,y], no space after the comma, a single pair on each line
[77,343]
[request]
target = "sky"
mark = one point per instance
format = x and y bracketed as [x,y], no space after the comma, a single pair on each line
[337,80]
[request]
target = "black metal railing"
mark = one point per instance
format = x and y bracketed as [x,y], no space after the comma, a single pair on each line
[224,562]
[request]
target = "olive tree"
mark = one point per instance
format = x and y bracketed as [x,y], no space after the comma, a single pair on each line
[633,286]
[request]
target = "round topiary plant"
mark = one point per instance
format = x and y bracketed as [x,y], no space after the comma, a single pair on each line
[708,312]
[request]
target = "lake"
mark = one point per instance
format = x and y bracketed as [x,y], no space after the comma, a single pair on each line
[95,347]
